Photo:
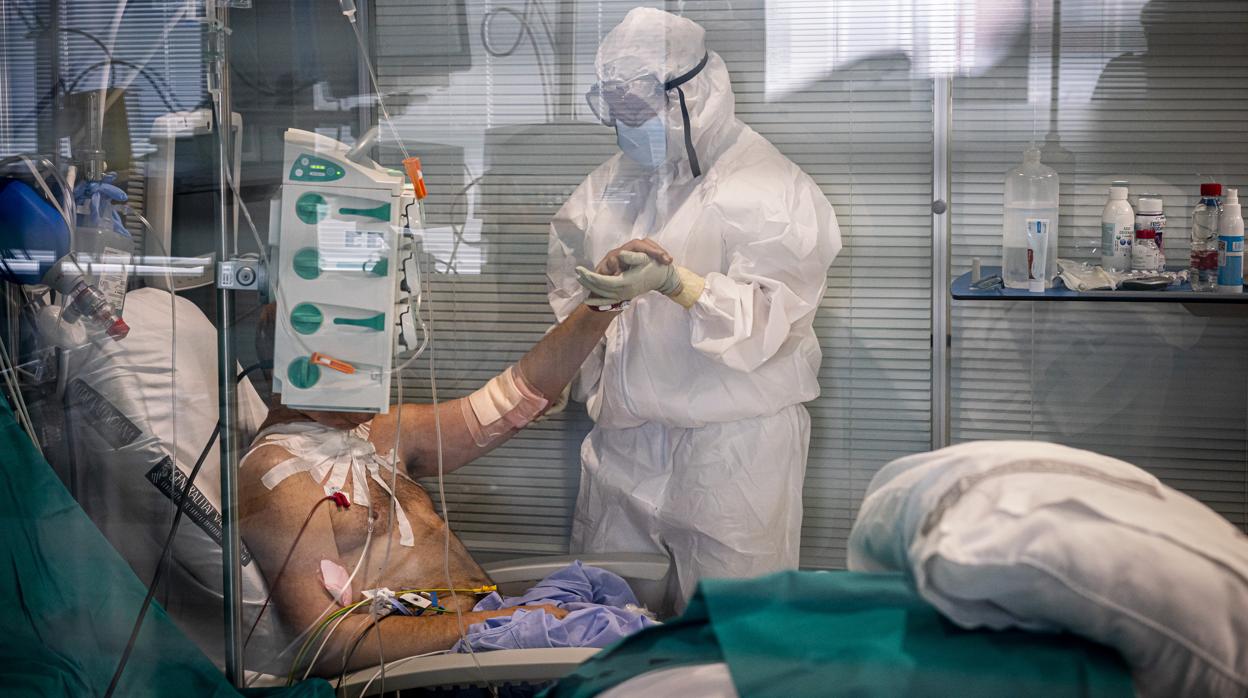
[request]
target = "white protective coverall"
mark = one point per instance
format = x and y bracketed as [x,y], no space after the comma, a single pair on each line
[700,443]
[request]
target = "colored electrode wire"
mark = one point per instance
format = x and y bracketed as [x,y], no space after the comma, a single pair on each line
[341,613]
[337,498]
[355,644]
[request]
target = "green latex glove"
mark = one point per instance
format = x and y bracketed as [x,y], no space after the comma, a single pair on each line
[642,275]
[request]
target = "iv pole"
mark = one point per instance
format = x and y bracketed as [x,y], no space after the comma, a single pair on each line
[217,15]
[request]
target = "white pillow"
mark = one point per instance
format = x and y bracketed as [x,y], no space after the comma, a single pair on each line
[1044,537]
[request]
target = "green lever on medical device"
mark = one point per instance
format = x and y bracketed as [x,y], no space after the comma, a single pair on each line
[376,322]
[381,213]
[302,373]
[311,208]
[306,318]
[307,263]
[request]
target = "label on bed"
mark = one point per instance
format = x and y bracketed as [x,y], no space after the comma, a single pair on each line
[171,482]
[107,421]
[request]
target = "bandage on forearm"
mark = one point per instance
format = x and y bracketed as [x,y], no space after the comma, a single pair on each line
[691,286]
[507,402]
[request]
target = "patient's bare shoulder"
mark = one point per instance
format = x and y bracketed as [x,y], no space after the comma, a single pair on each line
[253,494]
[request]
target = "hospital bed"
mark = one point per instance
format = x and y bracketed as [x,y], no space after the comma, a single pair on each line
[506,667]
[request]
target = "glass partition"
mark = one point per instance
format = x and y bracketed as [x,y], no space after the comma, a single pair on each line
[1151,93]
[239,234]
[112,197]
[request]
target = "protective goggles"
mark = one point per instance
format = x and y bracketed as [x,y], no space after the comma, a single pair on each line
[631,102]
[634,102]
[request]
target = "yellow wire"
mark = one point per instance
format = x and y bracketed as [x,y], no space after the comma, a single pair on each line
[475,590]
[348,609]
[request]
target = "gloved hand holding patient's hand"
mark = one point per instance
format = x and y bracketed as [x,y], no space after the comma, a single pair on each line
[611,264]
[638,267]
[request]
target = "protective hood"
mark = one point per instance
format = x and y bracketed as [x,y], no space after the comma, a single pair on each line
[671,48]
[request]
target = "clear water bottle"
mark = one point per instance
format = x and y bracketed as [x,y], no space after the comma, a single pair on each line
[1204,265]
[1029,237]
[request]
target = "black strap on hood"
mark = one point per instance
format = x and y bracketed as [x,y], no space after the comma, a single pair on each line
[674,84]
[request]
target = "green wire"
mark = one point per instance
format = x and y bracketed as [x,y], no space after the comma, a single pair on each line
[307,644]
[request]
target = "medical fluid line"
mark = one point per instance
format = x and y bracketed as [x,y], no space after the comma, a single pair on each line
[344,611]
[372,76]
[395,665]
[15,392]
[328,636]
[281,570]
[446,515]
[164,556]
[446,554]
[317,625]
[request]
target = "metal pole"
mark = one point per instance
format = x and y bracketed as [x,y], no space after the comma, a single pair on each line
[565,52]
[49,137]
[942,120]
[367,119]
[231,541]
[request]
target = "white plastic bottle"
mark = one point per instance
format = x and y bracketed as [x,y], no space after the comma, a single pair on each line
[1029,237]
[1117,229]
[1231,245]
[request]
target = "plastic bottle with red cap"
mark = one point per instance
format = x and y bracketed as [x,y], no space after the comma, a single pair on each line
[1203,271]
[1147,253]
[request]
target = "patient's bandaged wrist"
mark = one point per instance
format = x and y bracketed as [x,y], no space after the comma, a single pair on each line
[507,402]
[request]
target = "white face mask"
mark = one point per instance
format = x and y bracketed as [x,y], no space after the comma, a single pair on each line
[645,144]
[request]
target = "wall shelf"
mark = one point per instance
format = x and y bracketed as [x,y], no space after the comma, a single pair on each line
[1202,304]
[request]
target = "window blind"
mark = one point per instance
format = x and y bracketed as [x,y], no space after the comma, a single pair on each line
[19,92]
[1154,93]
[162,38]
[510,137]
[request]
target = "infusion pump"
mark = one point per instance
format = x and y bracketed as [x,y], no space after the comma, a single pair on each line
[341,255]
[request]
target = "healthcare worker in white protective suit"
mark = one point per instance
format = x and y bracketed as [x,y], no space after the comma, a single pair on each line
[699,448]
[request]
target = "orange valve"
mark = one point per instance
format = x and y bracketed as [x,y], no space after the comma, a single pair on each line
[414,173]
[330,362]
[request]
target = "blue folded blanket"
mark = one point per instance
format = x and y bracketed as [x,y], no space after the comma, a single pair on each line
[602,609]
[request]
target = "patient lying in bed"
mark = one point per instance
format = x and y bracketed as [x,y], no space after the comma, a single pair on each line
[313,484]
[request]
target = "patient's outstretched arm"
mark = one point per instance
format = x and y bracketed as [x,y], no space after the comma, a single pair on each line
[548,367]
